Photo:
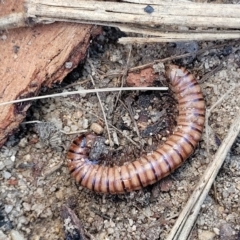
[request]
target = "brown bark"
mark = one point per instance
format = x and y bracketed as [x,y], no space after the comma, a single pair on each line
[34,57]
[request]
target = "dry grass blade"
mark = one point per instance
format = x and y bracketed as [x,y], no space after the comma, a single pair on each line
[209,74]
[201,51]
[208,112]
[130,111]
[85,91]
[179,37]
[123,77]
[104,115]
[186,219]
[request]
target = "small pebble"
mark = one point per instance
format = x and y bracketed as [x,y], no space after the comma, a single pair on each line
[6,175]
[68,65]
[130,222]
[206,235]
[8,208]
[150,141]
[95,127]
[15,235]
[115,138]
[102,236]
[26,206]
[8,163]
[23,142]
[4,37]
[66,129]
[226,232]
[82,94]
[216,230]
[60,194]
[74,128]
[206,65]
[39,145]
[110,231]
[1,165]
[3,236]
[85,123]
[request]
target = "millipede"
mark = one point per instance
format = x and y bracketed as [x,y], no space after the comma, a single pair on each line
[148,168]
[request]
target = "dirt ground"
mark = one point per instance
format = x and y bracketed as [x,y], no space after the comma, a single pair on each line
[34,180]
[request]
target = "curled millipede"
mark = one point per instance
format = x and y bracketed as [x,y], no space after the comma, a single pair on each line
[150,168]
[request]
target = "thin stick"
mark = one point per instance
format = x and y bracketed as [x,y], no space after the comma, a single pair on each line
[86,91]
[186,219]
[123,79]
[157,1]
[101,105]
[161,60]
[76,84]
[32,122]
[208,112]
[177,57]
[223,97]
[52,169]
[179,37]
[74,132]
[129,109]
[103,112]
[209,74]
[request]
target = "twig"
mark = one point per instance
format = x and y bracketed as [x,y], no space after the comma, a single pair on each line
[76,83]
[100,102]
[85,91]
[208,112]
[123,79]
[31,122]
[209,74]
[179,37]
[104,115]
[172,217]
[186,219]
[223,97]
[74,132]
[177,57]
[170,33]
[129,109]
[161,60]
[52,169]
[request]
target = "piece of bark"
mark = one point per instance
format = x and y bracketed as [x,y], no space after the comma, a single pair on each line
[144,78]
[73,227]
[34,57]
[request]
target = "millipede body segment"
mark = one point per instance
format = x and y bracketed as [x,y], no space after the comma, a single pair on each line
[150,168]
